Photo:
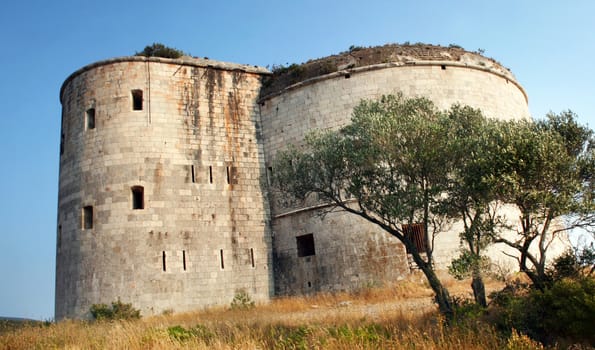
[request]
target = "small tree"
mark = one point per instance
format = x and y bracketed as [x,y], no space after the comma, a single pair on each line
[548,175]
[160,50]
[472,193]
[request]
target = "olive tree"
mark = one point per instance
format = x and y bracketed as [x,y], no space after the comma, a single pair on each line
[391,161]
[548,175]
[472,192]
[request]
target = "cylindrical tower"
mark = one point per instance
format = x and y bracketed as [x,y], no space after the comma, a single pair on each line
[343,251]
[161,200]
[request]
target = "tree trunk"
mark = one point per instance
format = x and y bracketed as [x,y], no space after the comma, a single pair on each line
[479,292]
[442,296]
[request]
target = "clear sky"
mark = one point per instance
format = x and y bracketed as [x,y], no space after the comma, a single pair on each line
[549,45]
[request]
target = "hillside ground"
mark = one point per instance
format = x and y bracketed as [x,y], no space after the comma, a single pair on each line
[399,316]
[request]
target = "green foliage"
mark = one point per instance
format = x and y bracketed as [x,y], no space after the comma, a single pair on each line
[472,192]
[182,334]
[467,312]
[160,50]
[179,333]
[117,311]
[574,264]
[354,48]
[287,337]
[364,334]
[565,310]
[574,136]
[462,267]
[546,173]
[391,159]
[294,70]
[242,300]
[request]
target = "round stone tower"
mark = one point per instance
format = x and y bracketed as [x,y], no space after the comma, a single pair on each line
[342,251]
[161,186]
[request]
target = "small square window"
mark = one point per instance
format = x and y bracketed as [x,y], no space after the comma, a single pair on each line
[59,238]
[62,144]
[305,245]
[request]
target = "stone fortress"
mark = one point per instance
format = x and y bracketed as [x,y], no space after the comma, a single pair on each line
[165,166]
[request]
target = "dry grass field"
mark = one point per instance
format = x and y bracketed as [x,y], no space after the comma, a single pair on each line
[401,316]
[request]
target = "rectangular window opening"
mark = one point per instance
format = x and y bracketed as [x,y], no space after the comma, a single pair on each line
[163,260]
[221,259]
[59,238]
[192,174]
[184,260]
[87,217]
[138,197]
[62,144]
[228,175]
[210,174]
[443,67]
[252,257]
[305,245]
[90,118]
[416,234]
[137,100]
[270,175]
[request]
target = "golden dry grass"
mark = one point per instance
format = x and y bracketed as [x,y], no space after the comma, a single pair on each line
[394,317]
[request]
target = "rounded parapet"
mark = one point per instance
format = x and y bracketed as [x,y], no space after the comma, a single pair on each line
[187,61]
[359,59]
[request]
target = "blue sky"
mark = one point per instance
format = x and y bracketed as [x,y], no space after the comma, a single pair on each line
[548,45]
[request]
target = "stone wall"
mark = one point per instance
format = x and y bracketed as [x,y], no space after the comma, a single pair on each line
[193,148]
[348,253]
[327,102]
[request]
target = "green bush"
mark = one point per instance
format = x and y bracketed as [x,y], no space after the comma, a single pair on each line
[182,334]
[160,50]
[291,337]
[242,300]
[117,311]
[466,311]
[563,311]
[574,263]
[461,267]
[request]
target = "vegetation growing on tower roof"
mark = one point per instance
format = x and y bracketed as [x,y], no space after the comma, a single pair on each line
[160,50]
[361,56]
